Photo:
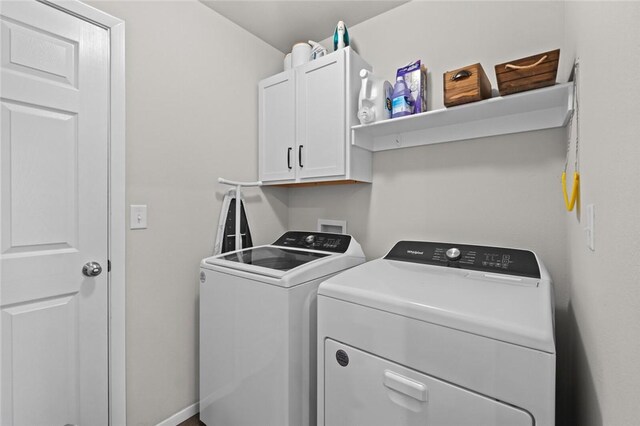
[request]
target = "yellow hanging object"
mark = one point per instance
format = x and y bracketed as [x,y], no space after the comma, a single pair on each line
[570,203]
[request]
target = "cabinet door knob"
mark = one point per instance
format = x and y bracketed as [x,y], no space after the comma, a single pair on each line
[289,157]
[300,156]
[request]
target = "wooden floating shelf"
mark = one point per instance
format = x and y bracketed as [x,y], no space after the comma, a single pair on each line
[539,109]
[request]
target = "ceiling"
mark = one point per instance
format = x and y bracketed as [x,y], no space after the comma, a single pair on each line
[284,23]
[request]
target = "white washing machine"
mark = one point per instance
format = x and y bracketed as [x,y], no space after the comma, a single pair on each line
[438,334]
[258,328]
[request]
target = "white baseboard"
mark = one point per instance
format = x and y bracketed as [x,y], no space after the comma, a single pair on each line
[181,416]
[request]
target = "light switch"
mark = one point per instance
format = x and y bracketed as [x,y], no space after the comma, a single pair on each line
[138,217]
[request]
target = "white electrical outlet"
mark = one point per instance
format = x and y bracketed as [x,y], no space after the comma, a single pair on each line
[138,218]
[590,221]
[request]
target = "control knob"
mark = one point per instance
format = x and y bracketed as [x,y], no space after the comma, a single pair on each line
[453,254]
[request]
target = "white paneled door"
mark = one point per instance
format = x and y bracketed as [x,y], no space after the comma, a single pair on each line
[53,217]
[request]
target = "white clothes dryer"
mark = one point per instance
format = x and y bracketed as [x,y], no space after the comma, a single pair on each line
[258,328]
[438,334]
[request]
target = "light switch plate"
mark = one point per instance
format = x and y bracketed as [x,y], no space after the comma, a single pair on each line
[138,218]
[590,218]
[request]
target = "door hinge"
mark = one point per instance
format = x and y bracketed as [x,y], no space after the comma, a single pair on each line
[108,266]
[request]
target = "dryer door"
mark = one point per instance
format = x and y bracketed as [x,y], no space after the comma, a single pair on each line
[364,390]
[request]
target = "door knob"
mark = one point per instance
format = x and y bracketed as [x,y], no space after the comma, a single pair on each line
[91,269]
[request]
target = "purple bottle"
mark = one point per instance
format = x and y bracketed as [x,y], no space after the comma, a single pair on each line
[402,102]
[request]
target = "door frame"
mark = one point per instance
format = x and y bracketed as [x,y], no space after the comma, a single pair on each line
[116,199]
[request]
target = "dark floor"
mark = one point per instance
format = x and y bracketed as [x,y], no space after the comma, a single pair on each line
[192,421]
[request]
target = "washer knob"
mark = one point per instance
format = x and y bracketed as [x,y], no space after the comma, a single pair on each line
[453,254]
[309,239]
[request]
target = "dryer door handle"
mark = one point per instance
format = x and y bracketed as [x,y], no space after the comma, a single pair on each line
[405,385]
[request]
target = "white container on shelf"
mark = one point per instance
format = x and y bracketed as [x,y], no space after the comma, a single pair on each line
[300,54]
[287,61]
[374,102]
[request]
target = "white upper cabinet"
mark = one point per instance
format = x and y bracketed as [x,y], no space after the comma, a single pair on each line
[305,117]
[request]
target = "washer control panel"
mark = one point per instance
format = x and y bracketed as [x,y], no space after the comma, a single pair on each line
[335,243]
[480,258]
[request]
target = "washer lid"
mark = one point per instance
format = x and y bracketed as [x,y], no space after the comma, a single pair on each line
[284,266]
[508,308]
[273,257]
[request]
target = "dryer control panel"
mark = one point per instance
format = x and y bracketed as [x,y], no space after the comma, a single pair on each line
[335,243]
[498,260]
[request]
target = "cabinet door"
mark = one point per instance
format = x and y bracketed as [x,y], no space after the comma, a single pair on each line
[321,117]
[276,118]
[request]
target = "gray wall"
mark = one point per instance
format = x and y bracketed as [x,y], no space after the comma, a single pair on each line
[497,191]
[506,190]
[503,190]
[191,117]
[605,289]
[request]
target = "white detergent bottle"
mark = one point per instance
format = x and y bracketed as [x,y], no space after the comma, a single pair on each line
[374,102]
